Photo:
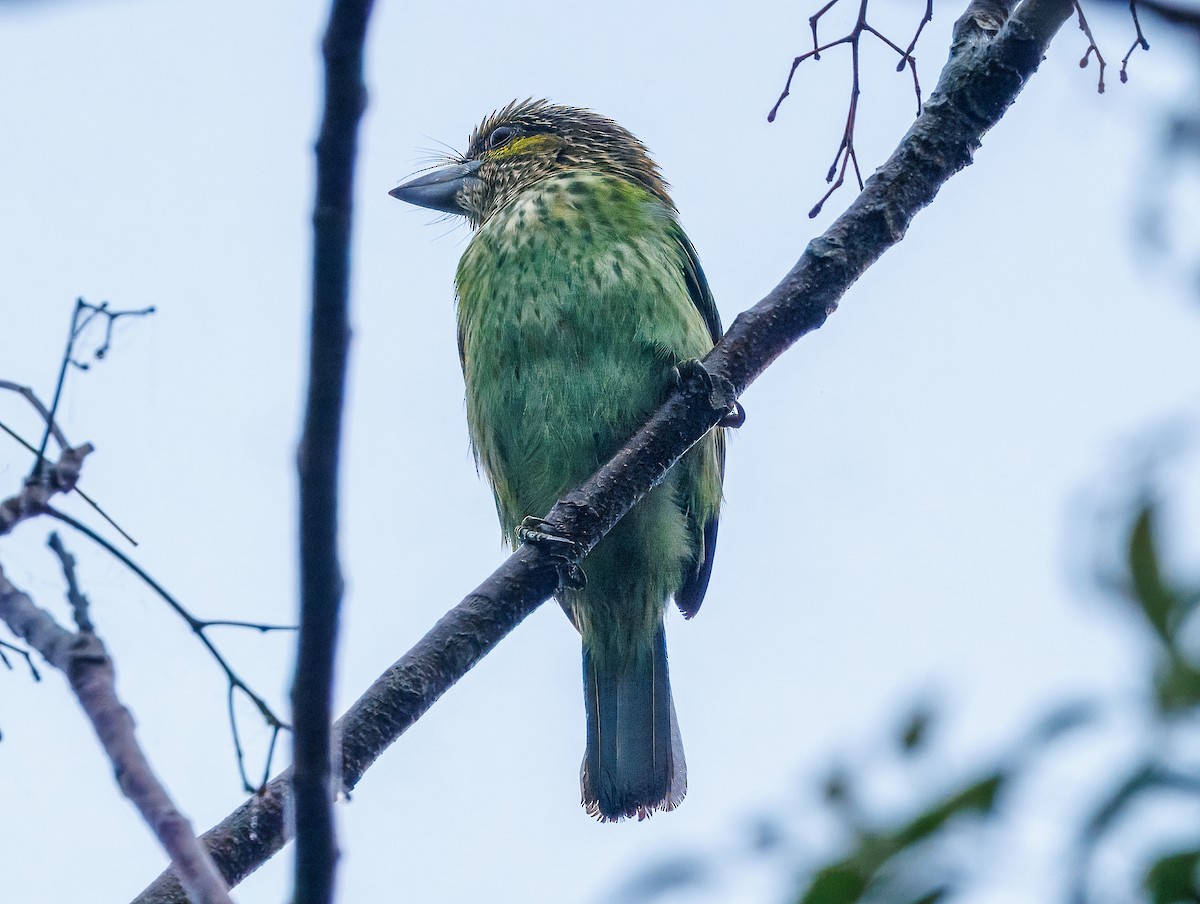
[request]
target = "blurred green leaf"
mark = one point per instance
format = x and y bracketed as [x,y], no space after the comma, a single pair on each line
[840,883]
[1150,776]
[1173,880]
[1114,805]
[1154,597]
[979,797]
[846,881]
[1177,683]
[915,731]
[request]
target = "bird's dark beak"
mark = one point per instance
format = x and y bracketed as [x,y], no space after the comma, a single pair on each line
[439,190]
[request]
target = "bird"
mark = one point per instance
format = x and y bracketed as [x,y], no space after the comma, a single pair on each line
[579,299]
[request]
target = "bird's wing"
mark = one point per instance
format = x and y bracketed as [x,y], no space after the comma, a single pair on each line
[691,594]
[697,284]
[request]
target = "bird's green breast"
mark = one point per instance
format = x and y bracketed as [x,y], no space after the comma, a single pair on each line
[573,308]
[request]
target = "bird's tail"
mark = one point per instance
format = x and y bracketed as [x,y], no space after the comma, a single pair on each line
[634,763]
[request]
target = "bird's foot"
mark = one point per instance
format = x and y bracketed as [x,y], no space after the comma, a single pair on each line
[690,369]
[720,390]
[565,552]
[735,418]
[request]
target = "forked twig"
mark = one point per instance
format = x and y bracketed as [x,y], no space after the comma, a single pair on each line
[1138,41]
[925,20]
[1091,48]
[47,479]
[24,654]
[846,155]
[89,313]
[198,626]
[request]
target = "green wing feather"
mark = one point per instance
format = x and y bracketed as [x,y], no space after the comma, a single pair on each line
[691,594]
[697,284]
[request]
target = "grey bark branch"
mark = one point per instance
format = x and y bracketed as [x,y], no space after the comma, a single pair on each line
[82,657]
[31,397]
[60,477]
[982,78]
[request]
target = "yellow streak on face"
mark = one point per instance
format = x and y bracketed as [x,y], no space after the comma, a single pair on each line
[529,144]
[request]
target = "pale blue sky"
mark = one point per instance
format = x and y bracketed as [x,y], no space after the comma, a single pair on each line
[898,501]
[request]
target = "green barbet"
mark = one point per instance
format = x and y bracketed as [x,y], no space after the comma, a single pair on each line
[578,296]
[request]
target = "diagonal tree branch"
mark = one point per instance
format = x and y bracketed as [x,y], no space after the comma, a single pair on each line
[991,60]
[81,656]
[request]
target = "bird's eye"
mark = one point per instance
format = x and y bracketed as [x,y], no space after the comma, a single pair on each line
[500,136]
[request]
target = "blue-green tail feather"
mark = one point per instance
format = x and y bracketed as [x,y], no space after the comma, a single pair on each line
[633,764]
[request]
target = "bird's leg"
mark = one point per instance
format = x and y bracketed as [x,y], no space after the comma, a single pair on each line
[564,551]
[720,391]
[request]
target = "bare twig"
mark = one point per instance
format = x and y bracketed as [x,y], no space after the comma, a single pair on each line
[1138,41]
[910,60]
[110,319]
[24,654]
[79,602]
[82,657]
[40,460]
[45,481]
[846,155]
[198,626]
[263,627]
[845,151]
[981,80]
[89,312]
[1177,13]
[62,477]
[1091,48]
[925,20]
[82,495]
[53,429]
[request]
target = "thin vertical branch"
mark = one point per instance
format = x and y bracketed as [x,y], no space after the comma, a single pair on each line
[39,462]
[320,574]
[78,326]
[1092,48]
[1138,41]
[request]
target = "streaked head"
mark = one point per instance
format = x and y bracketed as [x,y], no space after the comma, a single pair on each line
[522,144]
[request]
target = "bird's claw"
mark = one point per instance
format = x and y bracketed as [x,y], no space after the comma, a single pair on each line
[719,390]
[690,369]
[540,531]
[565,552]
[735,418]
